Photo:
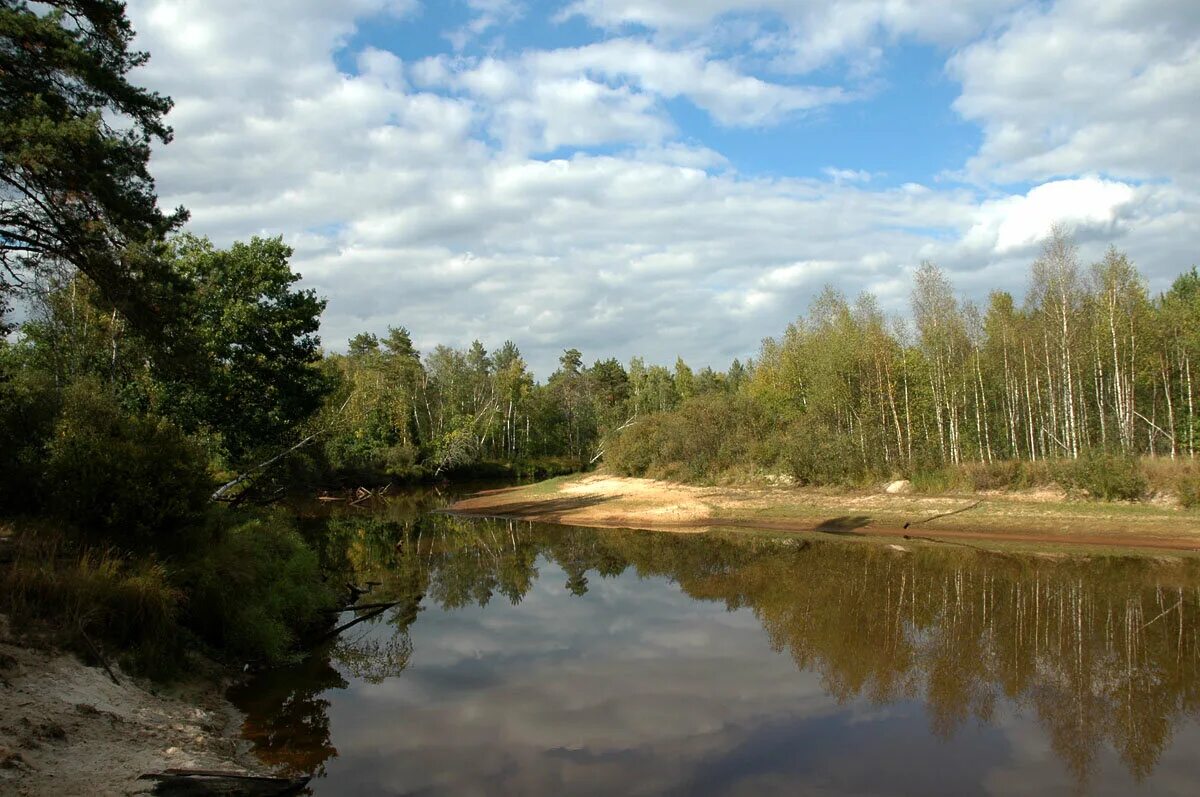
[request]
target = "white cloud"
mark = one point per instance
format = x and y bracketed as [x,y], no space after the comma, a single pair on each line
[1087,87]
[1082,206]
[612,91]
[409,193]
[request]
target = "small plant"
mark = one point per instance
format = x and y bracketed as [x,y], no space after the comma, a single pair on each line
[91,596]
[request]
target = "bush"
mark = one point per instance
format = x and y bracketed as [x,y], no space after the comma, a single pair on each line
[1188,490]
[1110,477]
[633,451]
[28,407]
[131,480]
[254,590]
[704,437]
[816,455]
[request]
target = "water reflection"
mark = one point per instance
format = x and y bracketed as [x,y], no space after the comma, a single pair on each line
[531,659]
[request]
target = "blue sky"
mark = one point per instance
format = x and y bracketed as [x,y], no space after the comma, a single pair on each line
[903,129]
[672,177]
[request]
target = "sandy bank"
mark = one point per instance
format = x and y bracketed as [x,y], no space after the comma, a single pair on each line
[65,728]
[1040,518]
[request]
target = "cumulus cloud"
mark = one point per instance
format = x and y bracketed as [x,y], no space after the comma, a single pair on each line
[1087,87]
[1081,206]
[553,196]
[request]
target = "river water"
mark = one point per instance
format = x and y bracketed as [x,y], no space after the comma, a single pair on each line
[533,659]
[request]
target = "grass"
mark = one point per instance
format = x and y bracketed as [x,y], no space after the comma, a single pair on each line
[85,595]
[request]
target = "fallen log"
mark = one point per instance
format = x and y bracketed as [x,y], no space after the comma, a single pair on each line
[944,514]
[213,782]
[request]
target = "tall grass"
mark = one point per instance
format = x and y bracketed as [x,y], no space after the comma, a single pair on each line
[93,593]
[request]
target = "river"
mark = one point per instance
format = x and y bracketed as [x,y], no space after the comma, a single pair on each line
[533,659]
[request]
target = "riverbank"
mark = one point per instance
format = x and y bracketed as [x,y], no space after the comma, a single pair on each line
[67,728]
[1041,518]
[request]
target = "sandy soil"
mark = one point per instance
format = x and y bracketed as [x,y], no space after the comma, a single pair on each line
[66,729]
[1042,516]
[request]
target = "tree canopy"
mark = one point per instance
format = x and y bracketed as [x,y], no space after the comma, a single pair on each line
[75,139]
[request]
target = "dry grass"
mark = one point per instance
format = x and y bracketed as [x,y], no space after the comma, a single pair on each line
[81,594]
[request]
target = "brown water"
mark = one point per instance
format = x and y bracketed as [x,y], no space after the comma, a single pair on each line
[527,659]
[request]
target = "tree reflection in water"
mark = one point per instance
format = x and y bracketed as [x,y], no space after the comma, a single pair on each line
[1102,650]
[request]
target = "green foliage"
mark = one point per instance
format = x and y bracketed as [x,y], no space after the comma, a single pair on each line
[706,436]
[81,189]
[28,408]
[814,454]
[133,480]
[1111,477]
[1188,490]
[975,476]
[259,343]
[254,590]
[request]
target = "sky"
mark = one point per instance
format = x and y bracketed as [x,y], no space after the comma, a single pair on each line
[671,177]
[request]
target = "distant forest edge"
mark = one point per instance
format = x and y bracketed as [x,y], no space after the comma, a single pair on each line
[1072,385]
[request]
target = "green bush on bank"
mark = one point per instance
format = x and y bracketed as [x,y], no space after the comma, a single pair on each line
[706,436]
[1111,477]
[250,593]
[1188,490]
[255,590]
[131,480]
[29,405]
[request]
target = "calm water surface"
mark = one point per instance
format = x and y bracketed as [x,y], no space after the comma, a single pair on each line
[528,659]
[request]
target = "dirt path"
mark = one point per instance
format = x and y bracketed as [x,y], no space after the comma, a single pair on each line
[1038,518]
[65,728]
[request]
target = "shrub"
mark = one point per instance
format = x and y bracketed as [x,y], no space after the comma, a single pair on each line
[1188,490]
[1111,477]
[254,589]
[814,454]
[28,406]
[129,479]
[704,437]
[943,479]
[634,450]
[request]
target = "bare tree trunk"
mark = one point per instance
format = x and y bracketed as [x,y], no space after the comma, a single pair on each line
[1028,404]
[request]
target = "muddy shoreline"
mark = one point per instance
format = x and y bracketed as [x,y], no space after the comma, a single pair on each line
[1035,519]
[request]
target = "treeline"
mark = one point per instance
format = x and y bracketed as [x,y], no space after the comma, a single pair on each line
[392,413]
[1087,367]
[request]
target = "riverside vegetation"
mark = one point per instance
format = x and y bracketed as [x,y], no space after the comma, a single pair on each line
[148,366]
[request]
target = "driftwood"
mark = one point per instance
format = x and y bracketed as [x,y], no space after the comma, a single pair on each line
[229,485]
[219,495]
[212,782]
[944,514]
